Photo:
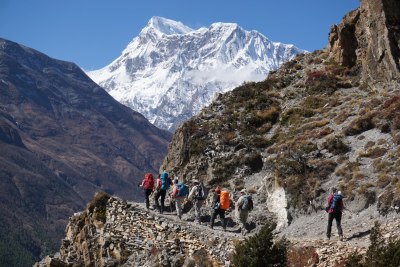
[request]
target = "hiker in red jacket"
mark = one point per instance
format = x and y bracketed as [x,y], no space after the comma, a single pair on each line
[335,209]
[147,185]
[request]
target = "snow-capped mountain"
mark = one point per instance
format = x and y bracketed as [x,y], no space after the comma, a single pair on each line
[170,71]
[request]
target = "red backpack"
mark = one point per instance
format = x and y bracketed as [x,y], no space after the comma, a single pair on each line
[148,182]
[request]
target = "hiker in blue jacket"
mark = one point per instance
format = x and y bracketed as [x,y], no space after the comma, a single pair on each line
[335,209]
[162,186]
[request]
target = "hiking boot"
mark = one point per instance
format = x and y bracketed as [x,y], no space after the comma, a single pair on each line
[341,237]
[328,237]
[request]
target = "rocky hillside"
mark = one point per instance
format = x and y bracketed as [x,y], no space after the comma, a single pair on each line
[329,118]
[62,138]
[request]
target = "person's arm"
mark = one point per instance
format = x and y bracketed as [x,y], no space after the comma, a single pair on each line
[192,192]
[239,202]
[330,200]
[174,191]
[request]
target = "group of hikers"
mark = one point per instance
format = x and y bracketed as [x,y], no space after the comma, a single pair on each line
[220,199]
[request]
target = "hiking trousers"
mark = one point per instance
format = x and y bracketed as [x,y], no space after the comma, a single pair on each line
[147,193]
[221,214]
[197,210]
[243,215]
[161,193]
[178,206]
[338,217]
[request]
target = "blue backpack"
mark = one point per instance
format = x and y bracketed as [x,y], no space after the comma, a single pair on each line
[335,206]
[165,182]
[182,190]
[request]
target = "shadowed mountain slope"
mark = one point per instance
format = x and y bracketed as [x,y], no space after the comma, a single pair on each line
[62,138]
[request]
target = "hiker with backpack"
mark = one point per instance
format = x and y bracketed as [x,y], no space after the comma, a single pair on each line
[220,204]
[157,187]
[162,186]
[243,206]
[179,193]
[335,209]
[197,195]
[147,185]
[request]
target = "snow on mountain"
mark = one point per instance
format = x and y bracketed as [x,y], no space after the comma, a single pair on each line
[170,71]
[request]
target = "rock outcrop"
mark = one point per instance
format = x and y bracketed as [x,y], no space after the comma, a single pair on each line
[113,232]
[370,38]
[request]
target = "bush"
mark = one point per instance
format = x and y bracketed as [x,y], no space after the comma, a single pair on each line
[336,146]
[260,250]
[360,125]
[381,252]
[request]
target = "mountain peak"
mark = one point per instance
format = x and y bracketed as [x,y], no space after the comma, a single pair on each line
[224,25]
[167,26]
[169,80]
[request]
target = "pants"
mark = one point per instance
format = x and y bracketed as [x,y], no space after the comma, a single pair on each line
[178,205]
[197,210]
[221,214]
[338,217]
[161,193]
[243,215]
[147,193]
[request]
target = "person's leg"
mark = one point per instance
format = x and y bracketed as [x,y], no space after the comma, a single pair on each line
[178,205]
[338,218]
[329,229]
[213,216]
[147,195]
[243,219]
[197,210]
[156,197]
[162,193]
[222,216]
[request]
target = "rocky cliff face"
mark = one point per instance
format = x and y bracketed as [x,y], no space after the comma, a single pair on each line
[62,137]
[370,38]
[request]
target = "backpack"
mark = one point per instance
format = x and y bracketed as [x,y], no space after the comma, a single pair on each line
[148,182]
[335,206]
[247,203]
[165,181]
[199,193]
[224,200]
[182,190]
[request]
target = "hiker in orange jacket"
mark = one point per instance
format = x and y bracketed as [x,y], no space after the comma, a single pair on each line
[216,209]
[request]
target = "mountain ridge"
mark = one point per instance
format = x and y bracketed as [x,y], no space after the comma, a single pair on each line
[170,77]
[62,137]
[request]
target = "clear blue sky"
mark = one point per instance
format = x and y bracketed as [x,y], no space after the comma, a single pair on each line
[92,33]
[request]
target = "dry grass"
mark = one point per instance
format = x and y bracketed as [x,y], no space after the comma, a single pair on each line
[373,152]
